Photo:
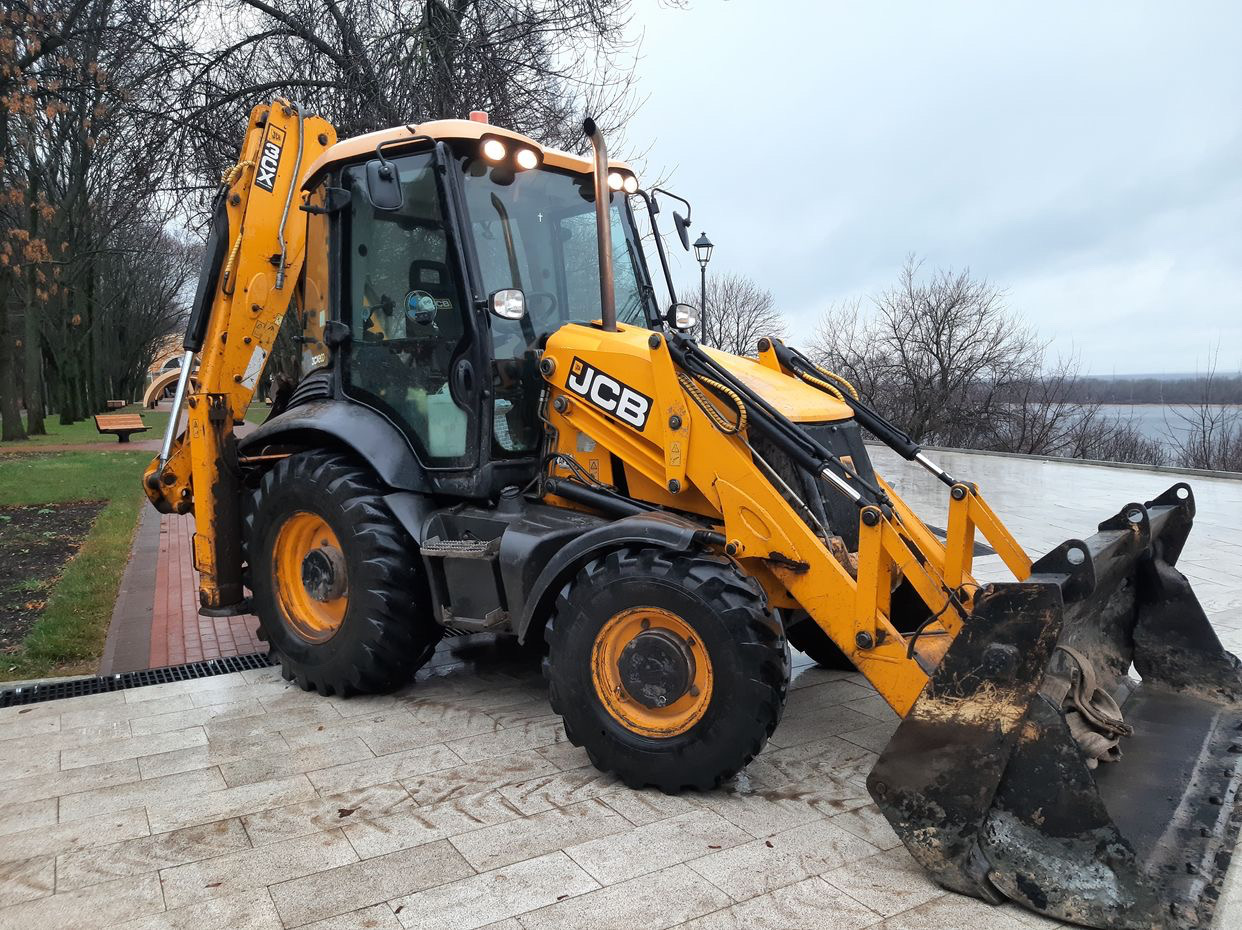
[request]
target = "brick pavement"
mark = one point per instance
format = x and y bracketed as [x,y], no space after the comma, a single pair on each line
[156,620]
[178,632]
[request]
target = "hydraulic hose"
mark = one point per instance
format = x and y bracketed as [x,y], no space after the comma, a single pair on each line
[777,428]
[867,416]
[284,216]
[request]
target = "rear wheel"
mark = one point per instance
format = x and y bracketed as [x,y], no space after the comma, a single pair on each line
[334,579]
[666,667]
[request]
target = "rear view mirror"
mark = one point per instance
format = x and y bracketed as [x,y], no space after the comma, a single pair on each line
[682,224]
[336,334]
[682,317]
[383,185]
[508,303]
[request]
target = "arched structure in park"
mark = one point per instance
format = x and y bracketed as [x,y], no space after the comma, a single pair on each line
[161,382]
[161,361]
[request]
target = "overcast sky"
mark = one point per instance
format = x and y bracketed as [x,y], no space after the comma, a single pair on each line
[1084,155]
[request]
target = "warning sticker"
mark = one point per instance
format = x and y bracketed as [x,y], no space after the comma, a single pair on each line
[254,368]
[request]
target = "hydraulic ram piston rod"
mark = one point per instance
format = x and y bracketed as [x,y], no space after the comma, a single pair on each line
[170,431]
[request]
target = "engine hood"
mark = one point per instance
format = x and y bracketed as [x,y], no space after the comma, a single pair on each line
[796,399]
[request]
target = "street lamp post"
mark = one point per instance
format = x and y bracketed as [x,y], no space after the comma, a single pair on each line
[703,253]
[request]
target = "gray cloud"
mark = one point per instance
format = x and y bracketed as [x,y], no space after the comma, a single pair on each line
[1085,156]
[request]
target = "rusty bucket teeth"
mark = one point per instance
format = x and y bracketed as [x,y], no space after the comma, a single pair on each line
[987,784]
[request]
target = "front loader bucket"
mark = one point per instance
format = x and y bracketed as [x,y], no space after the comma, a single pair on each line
[987,786]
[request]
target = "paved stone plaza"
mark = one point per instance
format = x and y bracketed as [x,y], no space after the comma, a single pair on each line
[237,801]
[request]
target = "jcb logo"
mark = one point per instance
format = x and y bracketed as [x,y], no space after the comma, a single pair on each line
[609,394]
[269,159]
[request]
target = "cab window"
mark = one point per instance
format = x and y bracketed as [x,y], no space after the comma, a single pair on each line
[407,312]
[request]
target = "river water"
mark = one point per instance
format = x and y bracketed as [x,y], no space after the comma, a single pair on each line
[1164,423]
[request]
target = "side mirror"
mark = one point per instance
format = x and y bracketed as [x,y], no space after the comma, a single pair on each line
[508,303]
[336,334]
[682,225]
[384,185]
[682,317]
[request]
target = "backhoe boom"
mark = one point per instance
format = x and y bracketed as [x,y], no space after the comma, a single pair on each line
[254,257]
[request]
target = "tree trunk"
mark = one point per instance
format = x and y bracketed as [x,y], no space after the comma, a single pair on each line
[10,414]
[33,317]
[33,375]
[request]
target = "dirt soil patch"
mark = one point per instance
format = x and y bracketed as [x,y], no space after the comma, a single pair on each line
[35,544]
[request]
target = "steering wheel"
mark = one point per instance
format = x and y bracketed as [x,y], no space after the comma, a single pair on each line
[551,304]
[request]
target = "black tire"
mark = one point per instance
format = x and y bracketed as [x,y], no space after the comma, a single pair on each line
[388,631]
[741,637]
[808,637]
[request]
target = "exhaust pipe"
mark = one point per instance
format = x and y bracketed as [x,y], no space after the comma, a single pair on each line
[603,225]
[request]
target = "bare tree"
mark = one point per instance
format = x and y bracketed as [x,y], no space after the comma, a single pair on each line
[370,64]
[943,356]
[939,354]
[1212,437]
[1112,439]
[739,312]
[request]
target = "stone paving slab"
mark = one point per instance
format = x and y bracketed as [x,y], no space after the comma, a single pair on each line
[241,802]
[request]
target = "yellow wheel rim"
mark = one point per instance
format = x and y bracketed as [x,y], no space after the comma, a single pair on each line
[613,671]
[311,584]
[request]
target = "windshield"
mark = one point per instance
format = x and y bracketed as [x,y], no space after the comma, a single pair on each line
[535,230]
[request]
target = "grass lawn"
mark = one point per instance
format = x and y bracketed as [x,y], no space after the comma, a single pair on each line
[84,430]
[69,635]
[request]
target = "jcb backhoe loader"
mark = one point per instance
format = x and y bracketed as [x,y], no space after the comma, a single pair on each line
[499,429]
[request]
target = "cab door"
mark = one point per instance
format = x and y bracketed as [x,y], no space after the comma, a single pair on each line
[413,352]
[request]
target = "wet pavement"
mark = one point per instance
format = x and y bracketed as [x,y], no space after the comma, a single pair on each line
[238,801]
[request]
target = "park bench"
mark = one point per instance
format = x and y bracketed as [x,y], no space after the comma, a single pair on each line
[121,425]
[116,404]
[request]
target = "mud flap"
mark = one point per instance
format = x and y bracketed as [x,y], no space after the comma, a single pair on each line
[1143,842]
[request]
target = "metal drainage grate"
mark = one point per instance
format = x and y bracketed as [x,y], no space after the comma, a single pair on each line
[55,691]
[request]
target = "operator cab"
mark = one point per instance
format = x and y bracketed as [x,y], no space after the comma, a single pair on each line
[418,230]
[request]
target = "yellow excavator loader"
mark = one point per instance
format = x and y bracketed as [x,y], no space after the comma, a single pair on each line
[498,428]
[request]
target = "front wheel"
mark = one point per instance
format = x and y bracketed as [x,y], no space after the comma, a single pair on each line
[666,667]
[335,580]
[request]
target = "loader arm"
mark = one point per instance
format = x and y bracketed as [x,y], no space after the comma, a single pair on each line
[252,264]
[697,466]
[990,778]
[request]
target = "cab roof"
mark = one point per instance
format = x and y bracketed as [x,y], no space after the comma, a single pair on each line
[350,150]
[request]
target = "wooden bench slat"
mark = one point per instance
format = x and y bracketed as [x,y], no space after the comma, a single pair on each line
[120,424]
[119,420]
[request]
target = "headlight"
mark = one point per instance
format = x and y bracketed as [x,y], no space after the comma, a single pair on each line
[614,180]
[494,150]
[630,184]
[526,158]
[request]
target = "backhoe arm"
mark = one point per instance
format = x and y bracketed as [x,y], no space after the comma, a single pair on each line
[253,259]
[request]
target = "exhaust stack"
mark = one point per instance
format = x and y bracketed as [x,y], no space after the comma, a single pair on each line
[603,225]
